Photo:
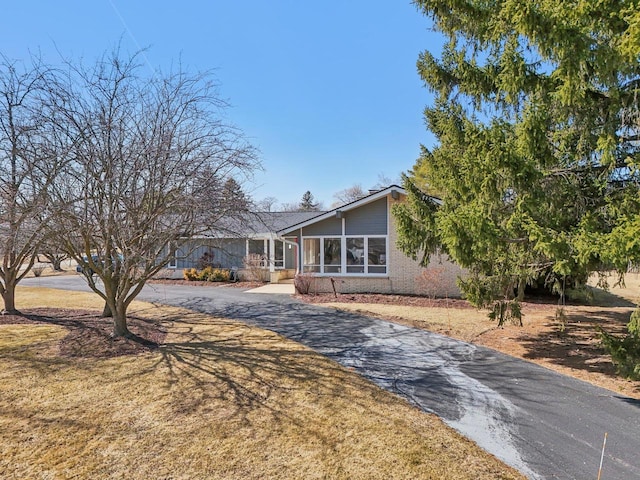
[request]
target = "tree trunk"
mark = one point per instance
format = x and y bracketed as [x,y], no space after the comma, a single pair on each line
[9,297]
[106,311]
[120,328]
[57,264]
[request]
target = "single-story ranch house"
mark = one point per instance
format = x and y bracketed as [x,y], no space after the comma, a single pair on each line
[354,244]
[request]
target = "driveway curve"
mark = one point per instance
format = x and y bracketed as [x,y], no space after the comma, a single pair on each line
[547,425]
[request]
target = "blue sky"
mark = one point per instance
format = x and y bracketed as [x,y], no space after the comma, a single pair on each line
[327,91]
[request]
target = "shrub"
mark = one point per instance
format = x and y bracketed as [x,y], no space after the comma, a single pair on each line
[302,283]
[190,274]
[208,274]
[205,274]
[219,275]
[625,351]
[38,269]
[254,264]
[431,281]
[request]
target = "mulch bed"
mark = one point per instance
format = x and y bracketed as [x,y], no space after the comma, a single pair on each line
[89,334]
[197,283]
[413,301]
[532,303]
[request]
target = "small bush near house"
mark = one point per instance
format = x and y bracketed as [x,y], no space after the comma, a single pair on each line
[254,265]
[208,274]
[302,283]
[190,274]
[211,274]
[431,281]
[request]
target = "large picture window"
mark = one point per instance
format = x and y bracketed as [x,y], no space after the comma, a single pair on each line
[345,255]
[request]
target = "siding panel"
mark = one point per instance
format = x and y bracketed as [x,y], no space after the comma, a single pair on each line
[330,226]
[370,219]
[227,253]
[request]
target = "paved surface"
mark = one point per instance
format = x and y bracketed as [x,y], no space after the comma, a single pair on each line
[274,289]
[546,425]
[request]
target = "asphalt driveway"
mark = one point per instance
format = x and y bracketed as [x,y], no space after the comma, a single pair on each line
[544,424]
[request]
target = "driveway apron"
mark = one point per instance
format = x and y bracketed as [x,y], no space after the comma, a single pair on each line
[546,425]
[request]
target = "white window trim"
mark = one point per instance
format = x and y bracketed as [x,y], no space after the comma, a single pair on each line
[343,256]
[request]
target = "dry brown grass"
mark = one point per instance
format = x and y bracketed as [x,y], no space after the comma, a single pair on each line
[571,347]
[218,399]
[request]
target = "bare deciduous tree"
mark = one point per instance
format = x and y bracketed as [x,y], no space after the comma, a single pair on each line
[140,149]
[348,195]
[50,250]
[267,204]
[384,181]
[24,171]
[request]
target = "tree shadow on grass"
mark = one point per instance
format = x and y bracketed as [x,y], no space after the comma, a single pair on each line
[605,298]
[89,334]
[233,371]
[577,344]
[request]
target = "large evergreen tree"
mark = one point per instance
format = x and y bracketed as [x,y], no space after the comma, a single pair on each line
[536,116]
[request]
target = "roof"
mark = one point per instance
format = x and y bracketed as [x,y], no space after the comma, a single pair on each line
[275,221]
[251,224]
[264,224]
[390,190]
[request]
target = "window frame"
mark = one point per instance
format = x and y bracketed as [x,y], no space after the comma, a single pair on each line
[173,259]
[344,266]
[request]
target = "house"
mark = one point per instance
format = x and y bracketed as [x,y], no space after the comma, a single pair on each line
[354,245]
[250,235]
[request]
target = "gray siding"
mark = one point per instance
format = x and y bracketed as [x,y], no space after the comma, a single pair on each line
[330,226]
[369,219]
[227,253]
[289,256]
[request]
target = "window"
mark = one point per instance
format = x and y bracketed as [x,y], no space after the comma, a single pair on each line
[311,260]
[345,255]
[173,252]
[258,247]
[332,255]
[377,255]
[355,255]
[278,253]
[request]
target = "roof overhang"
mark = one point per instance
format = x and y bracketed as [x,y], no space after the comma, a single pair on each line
[394,191]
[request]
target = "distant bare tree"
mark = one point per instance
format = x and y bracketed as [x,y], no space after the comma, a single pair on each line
[52,253]
[267,204]
[142,149]
[290,207]
[25,170]
[348,195]
[384,181]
